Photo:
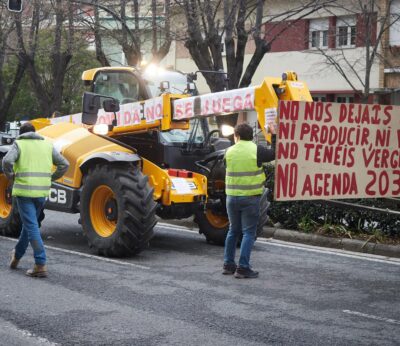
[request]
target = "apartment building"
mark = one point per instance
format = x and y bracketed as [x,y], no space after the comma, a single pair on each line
[389,72]
[313,44]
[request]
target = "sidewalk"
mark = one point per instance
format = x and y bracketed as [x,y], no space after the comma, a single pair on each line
[315,239]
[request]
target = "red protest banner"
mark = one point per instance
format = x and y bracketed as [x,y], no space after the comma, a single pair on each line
[334,151]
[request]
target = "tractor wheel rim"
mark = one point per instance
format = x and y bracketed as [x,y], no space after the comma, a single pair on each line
[99,201]
[5,207]
[217,221]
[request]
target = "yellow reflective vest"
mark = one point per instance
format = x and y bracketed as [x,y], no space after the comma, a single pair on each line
[243,176]
[33,168]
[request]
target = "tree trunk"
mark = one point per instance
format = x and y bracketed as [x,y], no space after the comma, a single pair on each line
[100,56]
[12,91]
[49,94]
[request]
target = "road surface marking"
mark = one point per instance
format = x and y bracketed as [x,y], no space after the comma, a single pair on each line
[172,226]
[373,317]
[26,334]
[310,248]
[104,259]
[336,252]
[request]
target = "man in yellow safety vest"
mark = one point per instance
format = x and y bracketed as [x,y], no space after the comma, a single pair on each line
[29,163]
[244,184]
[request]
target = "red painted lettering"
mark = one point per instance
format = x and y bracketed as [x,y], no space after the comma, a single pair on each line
[284,110]
[149,114]
[305,130]
[286,178]
[368,188]
[328,113]
[307,187]
[136,117]
[343,112]
[159,110]
[216,106]
[396,182]
[178,110]
[188,109]
[387,111]
[226,104]
[127,118]
[237,103]
[383,183]
[248,102]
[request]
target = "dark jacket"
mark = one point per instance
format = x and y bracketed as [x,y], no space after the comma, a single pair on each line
[264,154]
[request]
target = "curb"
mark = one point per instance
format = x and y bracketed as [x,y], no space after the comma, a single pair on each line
[330,242]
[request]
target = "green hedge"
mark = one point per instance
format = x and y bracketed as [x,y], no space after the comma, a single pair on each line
[313,215]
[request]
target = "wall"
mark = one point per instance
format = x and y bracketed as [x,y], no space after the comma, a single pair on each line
[291,52]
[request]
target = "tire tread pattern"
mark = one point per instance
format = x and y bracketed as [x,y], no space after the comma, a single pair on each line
[136,209]
[217,235]
[11,226]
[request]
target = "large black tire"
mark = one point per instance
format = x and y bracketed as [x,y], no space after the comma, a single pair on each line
[213,222]
[10,222]
[128,200]
[217,235]
[264,205]
[207,222]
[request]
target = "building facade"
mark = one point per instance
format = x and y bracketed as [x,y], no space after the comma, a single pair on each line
[314,44]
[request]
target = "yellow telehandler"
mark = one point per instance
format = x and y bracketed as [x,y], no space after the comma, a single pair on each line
[116,191]
[142,137]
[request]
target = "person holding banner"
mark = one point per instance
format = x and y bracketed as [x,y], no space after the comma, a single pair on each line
[244,186]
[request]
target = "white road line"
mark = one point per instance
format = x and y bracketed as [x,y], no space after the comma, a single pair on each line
[172,226]
[336,252]
[38,340]
[310,248]
[373,317]
[82,254]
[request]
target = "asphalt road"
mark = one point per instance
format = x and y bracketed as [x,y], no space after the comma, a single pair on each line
[174,294]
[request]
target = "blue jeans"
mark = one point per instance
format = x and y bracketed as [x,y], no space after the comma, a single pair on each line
[29,211]
[243,213]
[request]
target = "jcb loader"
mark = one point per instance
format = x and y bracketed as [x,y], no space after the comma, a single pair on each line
[156,123]
[116,191]
[192,145]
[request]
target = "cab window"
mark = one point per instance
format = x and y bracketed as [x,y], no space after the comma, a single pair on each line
[122,86]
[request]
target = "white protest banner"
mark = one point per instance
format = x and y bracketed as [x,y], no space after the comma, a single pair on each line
[336,151]
[184,108]
[128,114]
[153,109]
[215,103]
[74,118]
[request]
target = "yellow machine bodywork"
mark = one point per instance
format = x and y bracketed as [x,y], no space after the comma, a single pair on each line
[266,96]
[164,189]
[78,145]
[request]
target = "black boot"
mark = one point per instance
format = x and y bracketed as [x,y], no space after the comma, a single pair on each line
[229,268]
[245,273]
